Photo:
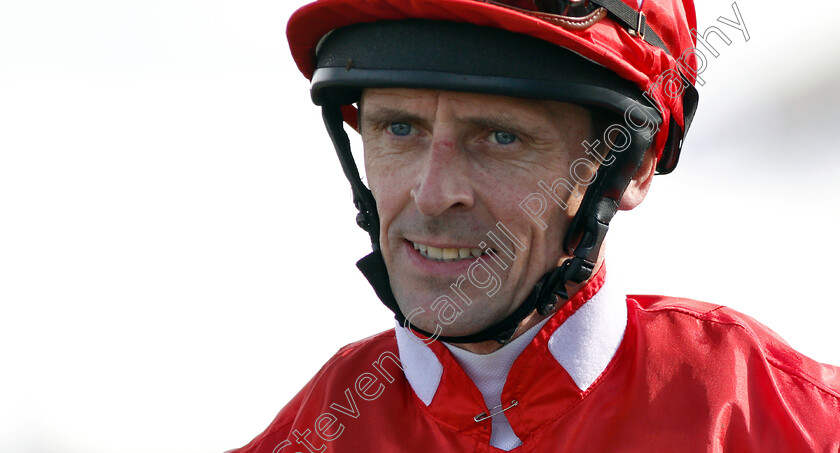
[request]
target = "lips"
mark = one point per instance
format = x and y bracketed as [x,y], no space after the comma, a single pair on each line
[446,254]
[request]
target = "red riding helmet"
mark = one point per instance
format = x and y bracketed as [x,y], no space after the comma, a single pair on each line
[635,61]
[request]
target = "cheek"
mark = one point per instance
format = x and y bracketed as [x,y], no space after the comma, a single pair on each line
[506,188]
[543,228]
[390,183]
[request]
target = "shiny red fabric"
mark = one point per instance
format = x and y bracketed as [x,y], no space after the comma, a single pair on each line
[606,42]
[688,376]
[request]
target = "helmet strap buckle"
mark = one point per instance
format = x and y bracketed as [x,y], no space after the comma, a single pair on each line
[641,26]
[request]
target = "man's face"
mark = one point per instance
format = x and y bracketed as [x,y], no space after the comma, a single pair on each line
[446,169]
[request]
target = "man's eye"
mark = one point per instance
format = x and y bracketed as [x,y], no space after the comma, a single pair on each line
[502,138]
[400,129]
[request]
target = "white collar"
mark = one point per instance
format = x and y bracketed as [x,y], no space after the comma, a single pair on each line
[583,345]
[494,366]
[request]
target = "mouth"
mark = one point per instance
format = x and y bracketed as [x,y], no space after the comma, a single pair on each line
[445,255]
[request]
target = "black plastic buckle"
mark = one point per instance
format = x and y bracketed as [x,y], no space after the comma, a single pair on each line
[363,220]
[593,237]
[579,269]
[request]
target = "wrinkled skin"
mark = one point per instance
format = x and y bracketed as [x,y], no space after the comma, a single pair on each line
[444,168]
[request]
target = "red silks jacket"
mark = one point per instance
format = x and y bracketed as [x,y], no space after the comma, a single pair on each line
[685,376]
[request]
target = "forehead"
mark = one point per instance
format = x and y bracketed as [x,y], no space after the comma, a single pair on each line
[424,101]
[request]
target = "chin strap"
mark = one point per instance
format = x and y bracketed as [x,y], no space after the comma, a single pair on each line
[367,218]
[587,230]
[549,292]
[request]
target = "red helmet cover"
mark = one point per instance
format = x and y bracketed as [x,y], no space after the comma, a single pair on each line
[606,42]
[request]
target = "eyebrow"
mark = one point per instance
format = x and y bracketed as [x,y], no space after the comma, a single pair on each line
[496,121]
[502,121]
[381,115]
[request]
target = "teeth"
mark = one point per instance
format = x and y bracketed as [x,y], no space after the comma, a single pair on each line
[434,252]
[447,254]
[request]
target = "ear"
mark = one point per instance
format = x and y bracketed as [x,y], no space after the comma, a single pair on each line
[640,184]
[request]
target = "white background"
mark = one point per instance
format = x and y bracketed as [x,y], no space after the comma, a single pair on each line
[177,241]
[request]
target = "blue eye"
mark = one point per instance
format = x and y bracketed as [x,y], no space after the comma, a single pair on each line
[503,138]
[400,129]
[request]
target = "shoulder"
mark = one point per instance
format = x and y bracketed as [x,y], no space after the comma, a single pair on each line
[358,372]
[357,354]
[376,354]
[726,334]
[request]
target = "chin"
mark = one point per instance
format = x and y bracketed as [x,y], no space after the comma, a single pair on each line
[444,311]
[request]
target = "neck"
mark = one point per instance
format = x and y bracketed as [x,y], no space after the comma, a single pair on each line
[486,347]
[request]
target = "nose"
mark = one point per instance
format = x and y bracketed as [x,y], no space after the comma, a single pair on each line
[443,182]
